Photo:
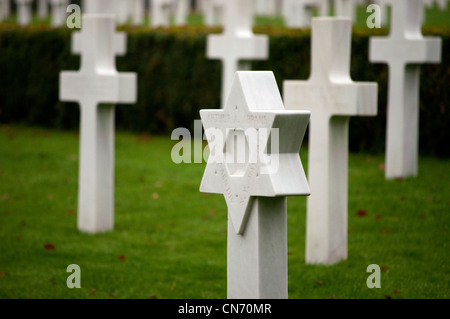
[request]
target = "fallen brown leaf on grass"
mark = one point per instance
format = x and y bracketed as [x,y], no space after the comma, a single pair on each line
[49,246]
[361,213]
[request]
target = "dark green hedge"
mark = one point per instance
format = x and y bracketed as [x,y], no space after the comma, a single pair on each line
[175,81]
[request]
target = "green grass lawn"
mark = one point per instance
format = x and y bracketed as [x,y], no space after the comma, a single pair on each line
[169,239]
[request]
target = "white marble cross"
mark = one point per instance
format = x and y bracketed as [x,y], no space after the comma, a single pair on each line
[5,9]
[213,12]
[383,11]
[97,82]
[403,50]
[122,11]
[138,12]
[332,97]
[42,9]
[266,7]
[161,12]
[59,8]
[99,6]
[24,12]
[182,11]
[442,4]
[297,13]
[345,8]
[254,162]
[237,43]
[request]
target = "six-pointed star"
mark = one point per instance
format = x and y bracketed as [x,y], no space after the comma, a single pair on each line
[254,103]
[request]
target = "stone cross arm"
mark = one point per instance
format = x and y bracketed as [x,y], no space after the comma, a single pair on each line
[338,99]
[99,88]
[251,47]
[418,50]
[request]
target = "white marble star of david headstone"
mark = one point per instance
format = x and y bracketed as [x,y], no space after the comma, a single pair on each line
[243,163]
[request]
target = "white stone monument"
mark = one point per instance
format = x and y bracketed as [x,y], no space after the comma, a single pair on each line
[127,10]
[59,10]
[97,83]
[266,7]
[42,9]
[262,140]
[332,97]
[442,4]
[383,11]
[237,44]
[99,6]
[403,50]
[182,11]
[345,8]
[213,12]
[5,9]
[298,13]
[138,12]
[24,12]
[121,11]
[161,12]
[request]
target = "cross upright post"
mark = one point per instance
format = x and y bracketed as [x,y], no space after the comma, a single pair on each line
[42,9]
[24,12]
[58,12]
[160,12]
[332,97]
[5,9]
[100,6]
